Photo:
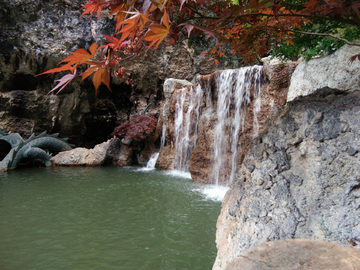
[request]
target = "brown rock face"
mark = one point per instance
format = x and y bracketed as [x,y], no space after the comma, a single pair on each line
[261,98]
[297,254]
[202,159]
[272,97]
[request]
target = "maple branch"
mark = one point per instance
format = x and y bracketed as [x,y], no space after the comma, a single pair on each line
[201,15]
[347,21]
[326,35]
[292,4]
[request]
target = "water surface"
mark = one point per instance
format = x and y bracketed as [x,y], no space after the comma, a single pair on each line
[104,218]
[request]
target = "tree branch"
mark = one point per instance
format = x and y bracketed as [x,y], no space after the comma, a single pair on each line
[326,35]
[258,14]
[347,21]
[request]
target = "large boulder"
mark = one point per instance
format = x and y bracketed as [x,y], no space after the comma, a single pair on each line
[333,71]
[111,152]
[300,178]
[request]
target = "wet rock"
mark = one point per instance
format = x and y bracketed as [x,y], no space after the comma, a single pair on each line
[272,98]
[166,156]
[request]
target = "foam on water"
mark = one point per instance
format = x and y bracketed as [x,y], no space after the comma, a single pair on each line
[178,173]
[145,169]
[213,192]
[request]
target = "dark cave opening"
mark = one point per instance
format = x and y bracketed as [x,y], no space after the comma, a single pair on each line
[5,148]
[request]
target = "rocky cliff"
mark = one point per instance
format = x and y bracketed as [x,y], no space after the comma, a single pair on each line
[36,35]
[300,178]
[221,113]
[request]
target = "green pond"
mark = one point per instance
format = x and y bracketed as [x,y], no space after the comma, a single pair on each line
[105,218]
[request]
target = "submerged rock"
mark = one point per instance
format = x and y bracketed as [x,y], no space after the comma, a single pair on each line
[297,254]
[300,178]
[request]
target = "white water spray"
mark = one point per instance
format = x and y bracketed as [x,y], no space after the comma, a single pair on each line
[225,83]
[150,165]
[257,102]
[234,88]
[186,127]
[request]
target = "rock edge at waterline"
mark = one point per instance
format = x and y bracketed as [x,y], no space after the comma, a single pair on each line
[297,254]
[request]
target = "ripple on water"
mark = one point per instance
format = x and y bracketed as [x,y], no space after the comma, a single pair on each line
[105,218]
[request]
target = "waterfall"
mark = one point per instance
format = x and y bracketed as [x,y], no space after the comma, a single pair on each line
[234,104]
[162,141]
[150,165]
[234,88]
[186,126]
[225,83]
[257,103]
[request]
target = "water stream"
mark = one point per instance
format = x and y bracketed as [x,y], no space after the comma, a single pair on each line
[186,126]
[105,218]
[150,165]
[234,89]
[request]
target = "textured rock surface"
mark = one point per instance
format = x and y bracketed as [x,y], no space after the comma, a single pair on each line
[279,75]
[333,71]
[300,178]
[297,254]
[109,152]
[36,35]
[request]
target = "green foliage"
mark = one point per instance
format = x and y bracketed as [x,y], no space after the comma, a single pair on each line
[310,46]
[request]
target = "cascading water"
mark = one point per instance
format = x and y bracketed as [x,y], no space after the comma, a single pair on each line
[150,165]
[257,76]
[233,94]
[225,83]
[226,109]
[186,126]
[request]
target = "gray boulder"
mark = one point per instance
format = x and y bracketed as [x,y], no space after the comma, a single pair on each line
[333,71]
[300,178]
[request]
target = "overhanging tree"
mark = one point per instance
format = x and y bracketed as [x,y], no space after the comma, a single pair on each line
[251,28]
